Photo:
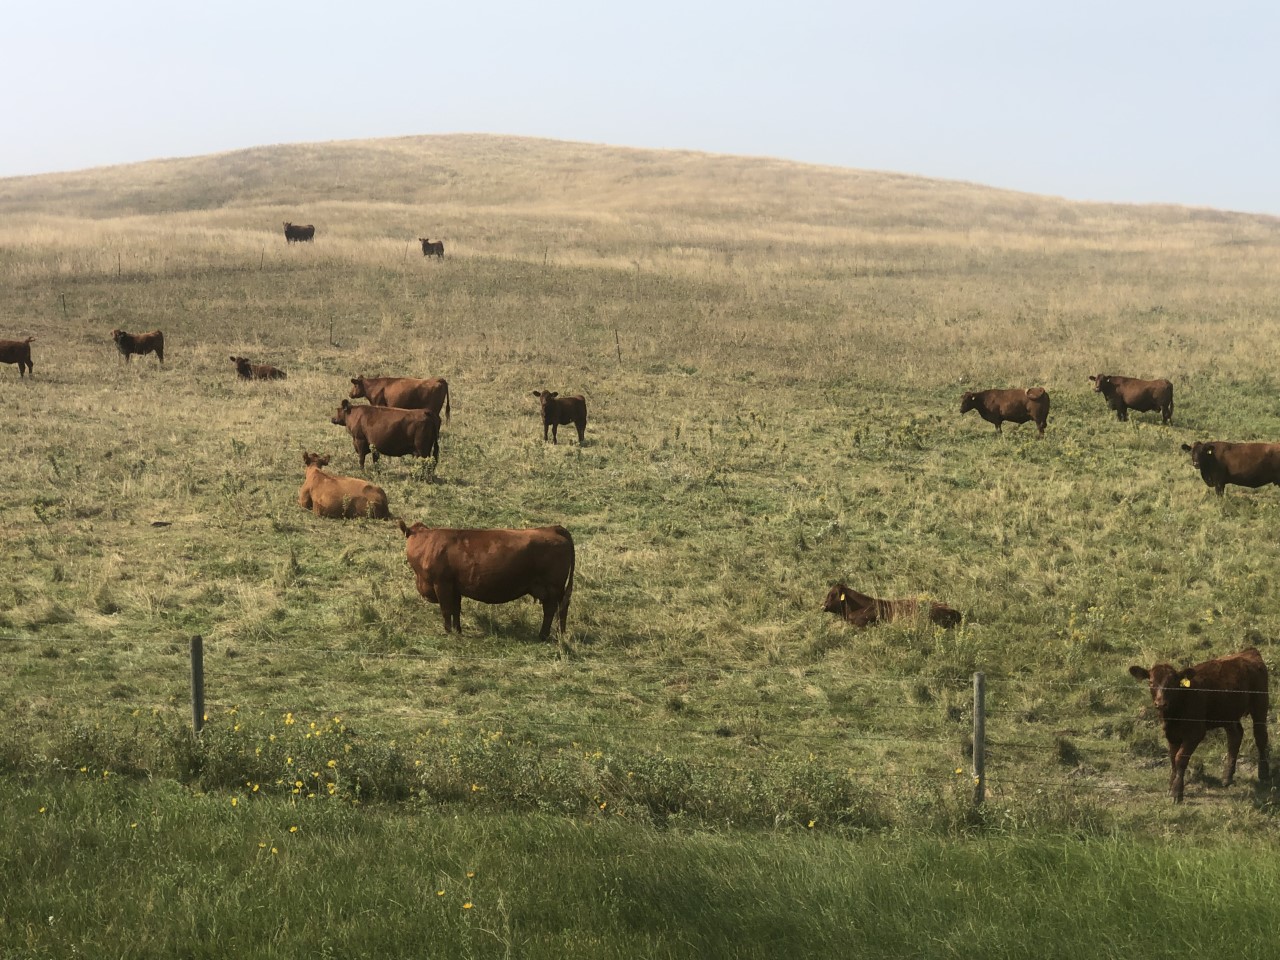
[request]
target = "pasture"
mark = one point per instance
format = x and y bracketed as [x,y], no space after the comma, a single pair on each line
[772,356]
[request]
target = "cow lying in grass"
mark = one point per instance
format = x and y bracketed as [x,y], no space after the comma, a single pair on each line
[256,371]
[863,611]
[339,498]
[1216,693]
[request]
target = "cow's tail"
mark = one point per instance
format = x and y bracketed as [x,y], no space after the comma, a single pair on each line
[563,610]
[446,401]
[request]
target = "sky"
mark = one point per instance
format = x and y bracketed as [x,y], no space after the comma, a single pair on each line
[1107,100]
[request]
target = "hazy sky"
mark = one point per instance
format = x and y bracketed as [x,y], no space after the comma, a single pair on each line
[1088,99]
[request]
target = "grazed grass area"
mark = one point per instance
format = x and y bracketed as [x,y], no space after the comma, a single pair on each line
[773,357]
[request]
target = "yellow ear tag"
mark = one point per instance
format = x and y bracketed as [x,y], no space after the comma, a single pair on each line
[1186,683]
[842,598]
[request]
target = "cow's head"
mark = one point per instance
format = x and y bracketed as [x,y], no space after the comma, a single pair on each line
[1101,381]
[1197,451]
[242,365]
[968,402]
[118,335]
[1164,682]
[546,397]
[340,418]
[409,531]
[357,388]
[837,597]
[314,459]
[287,224]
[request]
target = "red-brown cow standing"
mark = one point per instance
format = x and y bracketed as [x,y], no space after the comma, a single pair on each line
[139,343]
[432,248]
[299,233]
[256,371]
[390,431]
[1127,393]
[1016,406]
[1244,464]
[863,611]
[19,352]
[335,497]
[410,393]
[1216,693]
[557,410]
[492,566]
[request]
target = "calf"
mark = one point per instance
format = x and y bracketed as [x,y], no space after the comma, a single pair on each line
[390,431]
[863,611]
[408,392]
[298,233]
[1216,693]
[1125,393]
[1016,406]
[1244,464]
[492,566]
[139,343]
[432,248]
[339,497]
[256,371]
[557,410]
[19,352]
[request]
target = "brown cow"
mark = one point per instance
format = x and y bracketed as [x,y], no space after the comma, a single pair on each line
[432,248]
[256,371]
[339,497]
[1125,393]
[492,566]
[1016,406]
[390,431]
[19,352]
[139,343]
[1216,693]
[862,611]
[1244,464]
[298,233]
[557,410]
[407,392]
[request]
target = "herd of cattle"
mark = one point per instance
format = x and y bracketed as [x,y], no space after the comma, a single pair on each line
[403,417]
[305,233]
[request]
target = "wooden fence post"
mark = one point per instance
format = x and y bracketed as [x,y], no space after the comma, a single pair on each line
[979,738]
[197,685]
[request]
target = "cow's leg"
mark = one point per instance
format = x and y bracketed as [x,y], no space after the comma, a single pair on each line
[1235,737]
[1260,737]
[362,450]
[545,425]
[555,426]
[1180,761]
[548,616]
[450,605]
[582,430]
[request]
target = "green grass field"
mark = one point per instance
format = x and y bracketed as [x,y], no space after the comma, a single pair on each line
[773,357]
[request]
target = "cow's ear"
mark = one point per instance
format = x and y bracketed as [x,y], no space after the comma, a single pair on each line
[346,404]
[1140,673]
[355,381]
[1093,378]
[1186,446]
[1186,676]
[553,393]
[537,393]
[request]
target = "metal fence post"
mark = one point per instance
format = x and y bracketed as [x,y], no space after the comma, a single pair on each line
[979,738]
[197,685]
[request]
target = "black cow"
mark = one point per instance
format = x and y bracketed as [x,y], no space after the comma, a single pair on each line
[298,233]
[432,248]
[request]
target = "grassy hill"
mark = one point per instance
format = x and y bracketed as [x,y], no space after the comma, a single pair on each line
[773,356]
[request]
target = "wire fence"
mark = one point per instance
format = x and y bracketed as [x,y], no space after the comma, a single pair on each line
[874,714]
